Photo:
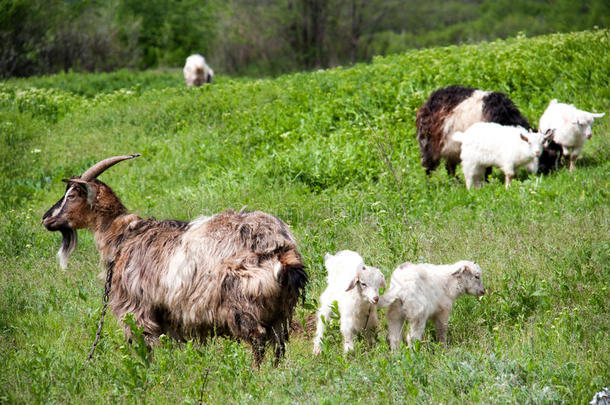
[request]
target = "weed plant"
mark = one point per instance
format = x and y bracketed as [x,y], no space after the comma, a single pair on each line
[307,148]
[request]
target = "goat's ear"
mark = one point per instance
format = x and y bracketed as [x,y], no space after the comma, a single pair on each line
[383,284]
[597,115]
[91,192]
[549,133]
[459,271]
[327,256]
[524,138]
[530,131]
[353,283]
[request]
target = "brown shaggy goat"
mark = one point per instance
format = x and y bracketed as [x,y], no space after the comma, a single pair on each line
[234,273]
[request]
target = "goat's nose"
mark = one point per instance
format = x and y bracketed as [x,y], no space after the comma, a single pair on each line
[376,299]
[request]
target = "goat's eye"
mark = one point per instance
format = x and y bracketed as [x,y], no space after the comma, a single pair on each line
[71,196]
[363,284]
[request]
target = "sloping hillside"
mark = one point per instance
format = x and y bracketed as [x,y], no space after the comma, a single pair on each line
[333,153]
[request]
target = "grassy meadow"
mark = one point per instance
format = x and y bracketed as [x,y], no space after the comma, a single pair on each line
[334,154]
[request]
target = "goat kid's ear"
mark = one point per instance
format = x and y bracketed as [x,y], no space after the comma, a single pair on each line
[597,115]
[523,137]
[383,284]
[459,271]
[353,283]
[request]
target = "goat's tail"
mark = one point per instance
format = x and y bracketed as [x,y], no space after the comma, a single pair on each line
[292,274]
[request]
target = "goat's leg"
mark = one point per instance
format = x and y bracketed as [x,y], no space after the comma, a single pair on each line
[451,165]
[245,326]
[279,334]
[258,350]
[430,163]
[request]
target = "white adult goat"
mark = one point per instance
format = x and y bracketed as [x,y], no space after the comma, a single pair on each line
[570,126]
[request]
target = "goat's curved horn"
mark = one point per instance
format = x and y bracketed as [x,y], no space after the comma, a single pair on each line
[100,167]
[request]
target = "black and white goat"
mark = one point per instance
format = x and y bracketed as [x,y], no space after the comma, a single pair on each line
[234,273]
[456,108]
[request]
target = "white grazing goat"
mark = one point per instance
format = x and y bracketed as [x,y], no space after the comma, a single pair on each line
[420,291]
[571,127]
[487,144]
[355,287]
[197,72]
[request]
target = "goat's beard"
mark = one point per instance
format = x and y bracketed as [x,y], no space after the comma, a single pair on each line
[68,245]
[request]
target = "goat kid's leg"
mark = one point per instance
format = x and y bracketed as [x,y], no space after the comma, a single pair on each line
[396,320]
[508,177]
[371,325]
[418,326]
[325,312]
[348,332]
[441,321]
[478,176]
[471,175]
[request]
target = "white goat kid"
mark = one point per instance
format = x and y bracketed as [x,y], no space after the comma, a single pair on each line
[418,292]
[571,127]
[487,144]
[355,287]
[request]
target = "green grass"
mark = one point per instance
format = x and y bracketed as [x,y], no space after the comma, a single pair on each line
[303,147]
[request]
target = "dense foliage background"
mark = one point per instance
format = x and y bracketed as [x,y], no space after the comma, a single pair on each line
[261,37]
[334,154]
